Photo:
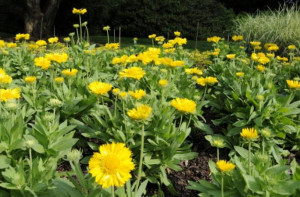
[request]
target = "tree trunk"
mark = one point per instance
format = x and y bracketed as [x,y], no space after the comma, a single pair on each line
[39,19]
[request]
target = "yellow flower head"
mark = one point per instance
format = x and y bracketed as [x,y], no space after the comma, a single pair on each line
[2,43]
[79,11]
[56,57]
[138,94]
[152,36]
[249,133]
[257,47]
[106,28]
[214,39]
[41,43]
[116,91]
[99,88]
[59,79]
[193,71]
[260,68]
[9,94]
[163,82]
[177,33]
[225,166]
[291,47]
[11,45]
[230,56]
[4,78]
[67,39]
[113,46]
[23,36]
[293,84]
[123,94]
[270,55]
[140,113]
[237,38]
[272,47]
[42,62]
[283,59]
[254,43]
[69,72]
[184,105]
[111,166]
[133,72]
[53,40]
[30,79]
[239,74]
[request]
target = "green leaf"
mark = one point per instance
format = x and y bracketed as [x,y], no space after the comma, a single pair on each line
[142,189]
[185,156]
[4,161]
[204,127]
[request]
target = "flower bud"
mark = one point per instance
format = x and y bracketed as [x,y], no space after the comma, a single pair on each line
[74,155]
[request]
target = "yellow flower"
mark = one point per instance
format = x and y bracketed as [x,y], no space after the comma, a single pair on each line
[79,11]
[11,45]
[177,33]
[218,143]
[230,56]
[140,113]
[56,57]
[216,52]
[30,79]
[70,72]
[225,166]
[67,39]
[23,36]
[261,68]
[2,43]
[53,40]
[42,62]
[123,94]
[207,80]
[59,79]
[99,88]
[133,72]
[4,78]
[152,36]
[41,43]
[291,47]
[237,38]
[215,39]
[160,39]
[239,74]
[113,46]
[138,94]
[116,90]
[193,71]
[257,47]
[273,47]
[9,94]
[283,59]
[111,166]
[293,84]
[106,28]
[254,43]
[249,133]
[270,55]
[184,105]
[163,82]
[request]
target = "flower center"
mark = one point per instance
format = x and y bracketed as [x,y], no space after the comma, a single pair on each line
[111,163]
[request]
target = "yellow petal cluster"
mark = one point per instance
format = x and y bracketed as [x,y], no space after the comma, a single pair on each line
[111,166]
[230,56]
[79,11]
[214,39]
[260,68]
[137,94]
[260,57]
[283,59]
[193,71]
[59,79]
[11,45]
[255,43]
[23,36]
[69,72]
[41,43]
[163,82]
[293,84]
[42,62]
[184,105]
[133,72]
[292,47]
[177,33]
[57,57]
[152,36]
[207,81]
[53,40]
[112,46]
[225,166]
[239,74]
[100,88]
[237,38]
[249,133]
[9,94]
[30,79]
[4,78]
[140,113]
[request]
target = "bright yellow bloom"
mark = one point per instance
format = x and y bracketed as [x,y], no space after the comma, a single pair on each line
[79,11]
[207,80]
[106,28]
[249,133]
[133,72]
[23,36]
[111,166]
[254,43]
[237,38]
[218,143]
[273,47]
[9,94]
[179,41]
[30,79]
[215,39]
[170,50]
[70,72]
[140,113]
[239,74]
[184,105]
[114,46]
[261,68]
[2,43]
[263,60]
[56,57]
[193,71]
[152,36]
[59,79]
[270,55]
[123,94]
[67,39]
[138,94]
[293,84]
[99,88]
[283,59]
[42,62]
[160,39]
[177,33]
[41,43]
[53,40]
[291,47]
[230,56]
[225,166]
[116,90]
[11,45]
[216,52]
[163,82]
[4,78]
[257,47]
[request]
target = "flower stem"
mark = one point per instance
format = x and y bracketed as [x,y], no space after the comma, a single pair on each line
[222,185]
[112,191]
[181,116]
[80,28]
[218,154]
[249,157]
[107,36]
[141,160]
[30,165]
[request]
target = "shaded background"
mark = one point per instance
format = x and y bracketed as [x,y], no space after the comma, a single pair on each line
[139,18]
